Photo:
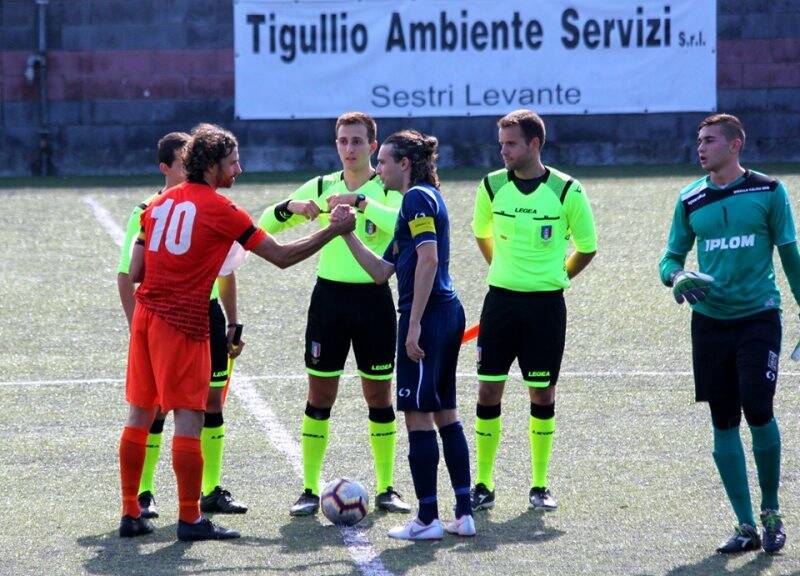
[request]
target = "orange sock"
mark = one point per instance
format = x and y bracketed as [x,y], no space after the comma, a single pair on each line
[187,461]
[132,447]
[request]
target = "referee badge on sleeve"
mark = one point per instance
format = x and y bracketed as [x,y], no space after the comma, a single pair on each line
[370,228]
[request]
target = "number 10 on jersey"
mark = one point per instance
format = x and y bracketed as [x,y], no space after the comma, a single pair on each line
[178,223]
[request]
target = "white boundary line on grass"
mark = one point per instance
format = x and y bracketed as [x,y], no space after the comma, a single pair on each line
[105,219]
[465,375]
[366,558]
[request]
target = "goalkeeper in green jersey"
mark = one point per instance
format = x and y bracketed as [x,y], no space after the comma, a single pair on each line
[347,307]
[212,439]
[735,217]
[524,218]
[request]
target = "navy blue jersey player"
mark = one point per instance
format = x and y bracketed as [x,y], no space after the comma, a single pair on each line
[429,330]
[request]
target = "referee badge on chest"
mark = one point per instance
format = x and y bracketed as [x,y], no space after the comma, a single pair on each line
[547,232]
[370,228]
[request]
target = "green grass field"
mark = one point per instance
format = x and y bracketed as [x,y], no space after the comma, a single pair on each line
[632,467]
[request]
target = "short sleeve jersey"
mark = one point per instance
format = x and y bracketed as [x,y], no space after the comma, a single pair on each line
[735,229]
[374,227]
[132,230]
[188,231]
[531,223]
[422,218]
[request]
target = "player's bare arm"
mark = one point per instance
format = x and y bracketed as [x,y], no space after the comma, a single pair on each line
[285,255]
[227,295]
[424,274]
[486,246]
[307,208]
[379,269]
[126,297]
[577,262]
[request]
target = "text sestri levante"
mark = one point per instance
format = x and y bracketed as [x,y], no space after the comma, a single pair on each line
[334,33]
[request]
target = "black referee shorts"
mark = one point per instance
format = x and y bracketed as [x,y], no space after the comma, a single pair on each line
[219,344]
[527,326]
[341,313]
[736,366]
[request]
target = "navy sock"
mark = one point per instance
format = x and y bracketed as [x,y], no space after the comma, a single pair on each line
[423,457]
[456,456]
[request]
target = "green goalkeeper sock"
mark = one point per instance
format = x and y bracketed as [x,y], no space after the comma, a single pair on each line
[767,452]
[314,442]
[152,451]
[383,440]
[729,456]
[488,430]
[212,444]
[541,428]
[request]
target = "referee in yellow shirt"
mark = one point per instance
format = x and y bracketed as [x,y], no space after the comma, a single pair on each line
[524,218]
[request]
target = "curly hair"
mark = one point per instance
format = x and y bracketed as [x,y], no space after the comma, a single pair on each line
[208,146]
[421,151]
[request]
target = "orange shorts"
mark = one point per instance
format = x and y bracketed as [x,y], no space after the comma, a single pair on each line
[166,367]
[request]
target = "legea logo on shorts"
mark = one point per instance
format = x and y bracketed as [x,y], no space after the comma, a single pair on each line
[404,392]
[730,243]
[381,366]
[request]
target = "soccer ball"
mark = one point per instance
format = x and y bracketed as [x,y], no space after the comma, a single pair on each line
[344,502]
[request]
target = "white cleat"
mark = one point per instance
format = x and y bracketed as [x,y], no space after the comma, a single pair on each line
[415,530]
[464,526]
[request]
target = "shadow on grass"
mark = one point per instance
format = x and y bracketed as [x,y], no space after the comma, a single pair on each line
[529,527]
[135,556]
[758,564]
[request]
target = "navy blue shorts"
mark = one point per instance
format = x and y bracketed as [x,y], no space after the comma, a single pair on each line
[430,384]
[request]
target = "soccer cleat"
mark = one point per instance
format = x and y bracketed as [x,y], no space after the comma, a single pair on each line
[481,497]
[541,499]
[744,539]
[221,502]
[130,527]
[415,530]
[204,530]
[147,503]
[306,505]
[391,501]
[464,526]
[774,535]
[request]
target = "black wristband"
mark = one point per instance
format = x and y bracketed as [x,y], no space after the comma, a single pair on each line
[359,199]
[282,213]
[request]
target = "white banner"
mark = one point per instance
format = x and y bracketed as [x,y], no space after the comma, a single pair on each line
[319,58]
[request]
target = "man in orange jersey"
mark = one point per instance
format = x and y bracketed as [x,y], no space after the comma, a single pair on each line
[186,234]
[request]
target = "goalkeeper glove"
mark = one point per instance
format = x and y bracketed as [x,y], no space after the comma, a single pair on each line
[690,286]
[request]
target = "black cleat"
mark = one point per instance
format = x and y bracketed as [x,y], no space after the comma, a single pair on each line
[306,505]
[481,497]
[204,530]
[147,503]
[391,501]
[744,539]
[129,527]
[541,499]
[774,535]
[221,502]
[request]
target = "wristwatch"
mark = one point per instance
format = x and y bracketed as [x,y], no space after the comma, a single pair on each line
[359,199]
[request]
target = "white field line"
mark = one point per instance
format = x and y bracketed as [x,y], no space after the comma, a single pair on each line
[358,545]
[461,375]
[105,219]
[366,558]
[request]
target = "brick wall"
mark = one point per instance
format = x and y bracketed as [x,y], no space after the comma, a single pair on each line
[122,73]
